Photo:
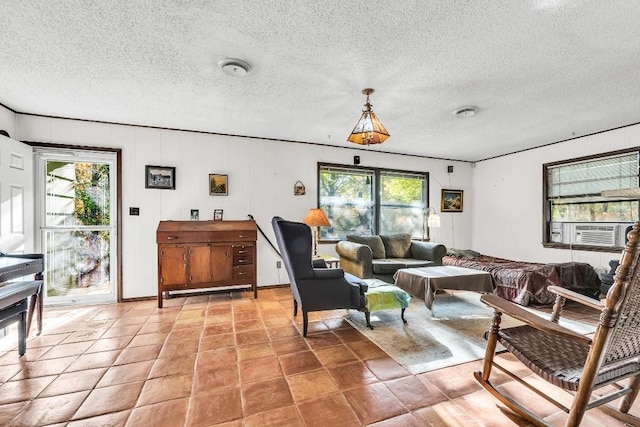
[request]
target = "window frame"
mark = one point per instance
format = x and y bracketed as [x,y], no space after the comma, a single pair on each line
[376,190]
[546,207]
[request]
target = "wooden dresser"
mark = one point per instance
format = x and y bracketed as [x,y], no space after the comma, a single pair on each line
[206,254]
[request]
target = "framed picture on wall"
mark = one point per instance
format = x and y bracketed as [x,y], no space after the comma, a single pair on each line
[161,177]
[217,214]
[218,185]
[451,201]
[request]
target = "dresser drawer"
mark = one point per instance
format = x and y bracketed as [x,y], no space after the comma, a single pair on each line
[243,273]
[204,236]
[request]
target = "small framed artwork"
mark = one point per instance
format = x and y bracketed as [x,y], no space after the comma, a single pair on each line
[451,201]
[161,177]
[218,185]
[195,214]
[217,215]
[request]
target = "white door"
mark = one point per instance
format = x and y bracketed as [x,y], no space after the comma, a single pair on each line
[16,197]
[76,205]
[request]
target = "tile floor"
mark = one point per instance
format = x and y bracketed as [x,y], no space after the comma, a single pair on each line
[229,360]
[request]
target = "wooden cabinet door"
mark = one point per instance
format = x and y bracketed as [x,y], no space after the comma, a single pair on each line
[221,263]
[173,265]
[199,264]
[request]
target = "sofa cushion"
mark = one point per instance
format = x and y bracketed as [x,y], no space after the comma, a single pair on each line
[397,245]
[374,242]
[386,266]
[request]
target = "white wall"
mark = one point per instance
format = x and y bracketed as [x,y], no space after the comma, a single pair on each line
[261,173]
[8,121]
[507,199]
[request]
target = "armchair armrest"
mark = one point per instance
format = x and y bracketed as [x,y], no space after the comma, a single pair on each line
[318,263]
[513,310]
[574,296]
[428,251]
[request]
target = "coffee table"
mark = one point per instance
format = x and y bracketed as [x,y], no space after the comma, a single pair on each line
[423,282]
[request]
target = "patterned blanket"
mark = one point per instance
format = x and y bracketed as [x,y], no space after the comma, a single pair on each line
[526,283]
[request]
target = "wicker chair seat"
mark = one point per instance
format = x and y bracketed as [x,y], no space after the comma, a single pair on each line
[558,359]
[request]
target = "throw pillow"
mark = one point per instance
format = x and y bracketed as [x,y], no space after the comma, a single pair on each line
[397,245]
[374,242]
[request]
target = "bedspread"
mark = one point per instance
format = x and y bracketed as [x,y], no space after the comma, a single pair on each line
[526,283]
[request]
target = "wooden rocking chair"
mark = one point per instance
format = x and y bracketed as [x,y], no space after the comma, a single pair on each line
[590,368]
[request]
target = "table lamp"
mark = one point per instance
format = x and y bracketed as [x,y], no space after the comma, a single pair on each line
[316,218]
[431,219]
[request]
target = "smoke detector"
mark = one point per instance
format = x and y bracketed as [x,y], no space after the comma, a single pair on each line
[235,67]
[467,111]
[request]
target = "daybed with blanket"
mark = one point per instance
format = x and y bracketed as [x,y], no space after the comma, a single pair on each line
[526,282]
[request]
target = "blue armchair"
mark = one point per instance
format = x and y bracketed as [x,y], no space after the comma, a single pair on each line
[314,288]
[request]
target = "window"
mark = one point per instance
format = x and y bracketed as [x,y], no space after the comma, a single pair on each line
[575,211]
[370,201]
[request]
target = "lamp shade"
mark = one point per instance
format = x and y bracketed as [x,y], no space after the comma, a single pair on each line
[368,130]
[316,218]
[433,221]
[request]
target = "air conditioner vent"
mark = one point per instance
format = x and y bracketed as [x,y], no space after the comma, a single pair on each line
[598,235]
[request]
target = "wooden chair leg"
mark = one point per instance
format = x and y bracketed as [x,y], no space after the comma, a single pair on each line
[22,333]
[627,401]
[367,317]
[305,323]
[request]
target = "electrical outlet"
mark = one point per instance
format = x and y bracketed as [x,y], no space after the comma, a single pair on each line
[278,264]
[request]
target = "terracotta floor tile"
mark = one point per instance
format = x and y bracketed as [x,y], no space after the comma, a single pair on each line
[94,360]
[74,381]
[46,340]
[85,335]
[322,339]
[366,349]
[445,414]
[188,324]
[336,355]
[130,320]
[218,358]
[49,410]
[248,325]
[138,354]
[217,341]
[242,316]
[217,319]
[374,402]
[296,363]
[184,334]
[10,410]
[109,399]
[129,373]
[385,368]
[191,314]
[217,329]
[450,382]
[17,391]
[166,414]
[294,344]
[251,337]
[31,355]
[415,394]
[287,416]
[207,381]
[214,408]
[66,350]
[115,419]
[286,330]
[487,410]
[311,385]
[332,410]
[9,371]
[43,368]
[265,395]
[121,331]
[179,348]
[259,370]
[349,334]
[173,366]
[314,327]
[351,375]
[148,339]
[255,351]
[165,388]
[107,344]
[338,323]
[404,420]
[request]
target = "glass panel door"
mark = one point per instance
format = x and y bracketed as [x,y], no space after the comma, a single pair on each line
[77,223]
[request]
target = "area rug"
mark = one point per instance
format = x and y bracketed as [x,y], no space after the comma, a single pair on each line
[450,335]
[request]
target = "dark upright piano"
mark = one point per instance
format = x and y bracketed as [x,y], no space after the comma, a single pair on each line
[19,298]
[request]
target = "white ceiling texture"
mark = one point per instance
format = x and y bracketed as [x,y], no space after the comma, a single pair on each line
[539,71]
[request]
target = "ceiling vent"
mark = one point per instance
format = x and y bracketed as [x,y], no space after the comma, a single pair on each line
[235,67]
[467,111]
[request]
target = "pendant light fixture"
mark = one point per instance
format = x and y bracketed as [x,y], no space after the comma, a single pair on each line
[368,130]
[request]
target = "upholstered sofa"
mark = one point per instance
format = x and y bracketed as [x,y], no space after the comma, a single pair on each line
[380,256]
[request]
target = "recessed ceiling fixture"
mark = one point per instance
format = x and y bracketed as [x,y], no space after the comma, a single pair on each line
[468,111]
[368,130]
[235,67]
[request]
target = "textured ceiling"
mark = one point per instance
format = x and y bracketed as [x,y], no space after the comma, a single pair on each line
[540,71]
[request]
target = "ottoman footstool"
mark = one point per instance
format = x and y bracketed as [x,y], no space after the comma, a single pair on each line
[382,296]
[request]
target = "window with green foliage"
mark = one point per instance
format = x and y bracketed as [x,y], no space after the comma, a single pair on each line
[573,194]
[368,201]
